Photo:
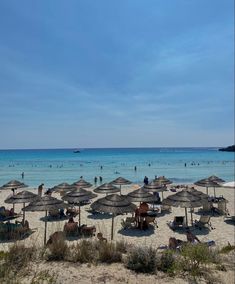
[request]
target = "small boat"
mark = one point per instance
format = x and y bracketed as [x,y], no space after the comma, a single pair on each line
[76,151]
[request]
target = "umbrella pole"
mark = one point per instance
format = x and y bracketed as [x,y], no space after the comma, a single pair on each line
[23,212]
[207,190]
[79,221]
[45,232]
[186,216]
[112,227]
[214,191]
[162,195]
[120,189]
[191,217]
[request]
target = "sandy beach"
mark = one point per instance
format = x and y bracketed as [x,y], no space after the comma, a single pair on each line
[222,234]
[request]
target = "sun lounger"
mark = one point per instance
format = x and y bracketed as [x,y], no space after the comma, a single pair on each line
[178,222]
[203,222]
[129,222]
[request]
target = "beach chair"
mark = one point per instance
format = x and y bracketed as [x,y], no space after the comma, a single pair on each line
[128,223]
[203,222]
[178,222]
[222,208]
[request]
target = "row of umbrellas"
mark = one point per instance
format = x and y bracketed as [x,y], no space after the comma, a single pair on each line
[114,204]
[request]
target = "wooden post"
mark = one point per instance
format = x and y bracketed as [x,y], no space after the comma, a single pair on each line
[207,190]
[214,192]
[45,232]
[112,227]
[23,213]
[120,189]
[79,220]
[186,216]
[191,217]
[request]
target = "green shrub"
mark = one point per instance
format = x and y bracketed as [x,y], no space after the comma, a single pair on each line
[195,256]
[58,250]
[19,255]
[83,252]
[107,252]
[121,246]
[166,262]
[142,259]
[227,249]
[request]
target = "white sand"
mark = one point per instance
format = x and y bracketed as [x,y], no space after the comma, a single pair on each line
[222,234]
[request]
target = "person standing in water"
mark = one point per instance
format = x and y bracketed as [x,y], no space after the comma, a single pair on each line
[22,175]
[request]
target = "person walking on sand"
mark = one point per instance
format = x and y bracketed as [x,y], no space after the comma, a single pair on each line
[40,188]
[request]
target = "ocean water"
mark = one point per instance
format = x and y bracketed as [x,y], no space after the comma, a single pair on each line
[54,166]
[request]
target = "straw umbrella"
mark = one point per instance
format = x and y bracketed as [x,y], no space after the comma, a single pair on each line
[155,186]
[184,199]
[163,180]
[107,188]
[114,204]
[77,196]
[45,203]
[141,195]
[22,197]
[82,183]
[207,183]
[13,184]
[216,179]
[63,187]
[121,181]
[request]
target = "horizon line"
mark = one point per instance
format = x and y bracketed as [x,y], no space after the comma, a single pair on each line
[84,148]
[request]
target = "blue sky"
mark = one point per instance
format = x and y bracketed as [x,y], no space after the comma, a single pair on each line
[116,73]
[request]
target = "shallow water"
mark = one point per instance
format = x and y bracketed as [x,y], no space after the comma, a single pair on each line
[63,165]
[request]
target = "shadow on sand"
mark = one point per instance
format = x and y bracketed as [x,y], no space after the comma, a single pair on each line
[135,232]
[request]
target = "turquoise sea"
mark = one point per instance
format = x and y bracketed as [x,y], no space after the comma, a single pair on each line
[54,166]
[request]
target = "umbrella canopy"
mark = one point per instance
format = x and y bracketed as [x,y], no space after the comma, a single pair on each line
[77,196]
[114,204]
[163,180]
[184,199]
[106,188]
[198,193]
[13,184]
[45,203]
[207,183]
[141,195]
[63,187]
[216,179]
[82,183]
[22,197]
[155,186]
[121,181]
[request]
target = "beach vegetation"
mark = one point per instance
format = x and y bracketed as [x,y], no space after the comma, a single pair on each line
[226,249]
[43,277]
[57,250]
[166,262]
[141,259]
[108,253]
[194,258]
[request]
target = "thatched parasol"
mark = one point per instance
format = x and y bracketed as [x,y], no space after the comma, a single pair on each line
[163,180]
[207,183]
[63,187]
[45,203]
[114,204]
[82,183]
[216,179]
[22,197]
[155,186]
[141,195]
[77,196]
[184,199]
[106,188]
[13,184]
[121,181]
